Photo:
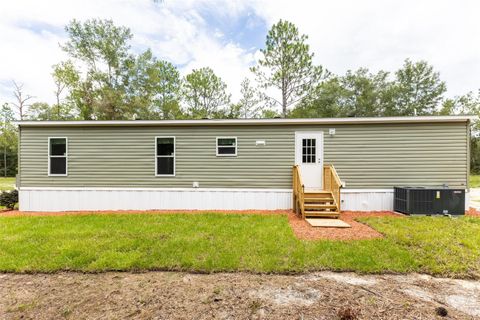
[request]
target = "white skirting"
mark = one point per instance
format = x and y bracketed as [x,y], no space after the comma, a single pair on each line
[79,199]
[366,199]
[374,199]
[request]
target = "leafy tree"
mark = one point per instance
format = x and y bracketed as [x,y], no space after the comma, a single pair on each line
[418,89]
[44,111]
[468,104]
[106,81]
[205,94]
[287,65]
[7,115]
[269,114]
[8,141]
[324,101]
[252,102]
[39,111]
[357,94]
[155,88]
[367,94]
[101,45]
[65,75]
[98,93]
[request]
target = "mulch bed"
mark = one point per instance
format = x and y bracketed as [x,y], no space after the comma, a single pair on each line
[358,231]
[473,212]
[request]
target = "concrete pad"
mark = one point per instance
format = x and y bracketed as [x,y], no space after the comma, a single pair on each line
[327,223]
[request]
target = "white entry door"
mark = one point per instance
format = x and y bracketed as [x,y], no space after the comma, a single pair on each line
[309,157]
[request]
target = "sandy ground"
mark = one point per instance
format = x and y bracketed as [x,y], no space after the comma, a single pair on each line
[173,295]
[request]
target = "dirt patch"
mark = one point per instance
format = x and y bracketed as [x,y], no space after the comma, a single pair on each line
[358,230]
[418,294]
[349,278]
[173,295]
[296,295]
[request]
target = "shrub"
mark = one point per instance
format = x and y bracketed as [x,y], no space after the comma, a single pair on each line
[9,199]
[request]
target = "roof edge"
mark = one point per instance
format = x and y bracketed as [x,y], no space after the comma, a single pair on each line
[213,122]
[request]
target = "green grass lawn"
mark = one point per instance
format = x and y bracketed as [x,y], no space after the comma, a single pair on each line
[218,242]
[7,183]
[474,181]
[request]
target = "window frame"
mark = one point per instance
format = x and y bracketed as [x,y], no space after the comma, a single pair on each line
[52,156]
[223,154]
[174,157]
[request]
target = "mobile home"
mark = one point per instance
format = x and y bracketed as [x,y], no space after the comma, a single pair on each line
[237,164]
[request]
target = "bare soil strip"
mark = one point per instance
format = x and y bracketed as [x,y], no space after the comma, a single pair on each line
[173,295]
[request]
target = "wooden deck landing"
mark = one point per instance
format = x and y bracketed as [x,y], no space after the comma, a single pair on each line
[327,223]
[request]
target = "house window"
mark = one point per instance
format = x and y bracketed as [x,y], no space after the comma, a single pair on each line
[165,156]
[57,156]
[309,150]
[226,146]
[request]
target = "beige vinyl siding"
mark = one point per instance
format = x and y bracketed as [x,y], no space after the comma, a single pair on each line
[365,155]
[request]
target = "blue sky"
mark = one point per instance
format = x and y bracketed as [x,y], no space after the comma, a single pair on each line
[227,35]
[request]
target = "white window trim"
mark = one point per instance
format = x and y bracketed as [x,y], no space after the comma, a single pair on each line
[226,155]
[66,158]
[174,157]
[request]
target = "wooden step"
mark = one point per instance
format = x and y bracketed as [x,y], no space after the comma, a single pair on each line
[320,206]
[310,199]
[318,194]
[323,214]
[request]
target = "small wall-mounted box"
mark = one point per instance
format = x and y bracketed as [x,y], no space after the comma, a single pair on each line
[195,184]
[331,131]
[260,142]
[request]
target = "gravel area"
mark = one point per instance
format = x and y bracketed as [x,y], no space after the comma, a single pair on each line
[172,295]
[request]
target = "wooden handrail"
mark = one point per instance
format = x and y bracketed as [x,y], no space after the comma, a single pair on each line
[332,182]
[298,191]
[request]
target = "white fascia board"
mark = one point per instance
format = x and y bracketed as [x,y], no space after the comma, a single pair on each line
[213,122]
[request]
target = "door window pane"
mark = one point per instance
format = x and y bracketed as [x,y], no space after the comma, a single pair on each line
[309,151]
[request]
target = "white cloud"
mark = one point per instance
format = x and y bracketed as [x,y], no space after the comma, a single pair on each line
[176,31]
[378,34]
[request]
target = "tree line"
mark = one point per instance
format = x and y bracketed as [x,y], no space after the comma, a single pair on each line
[104,79]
